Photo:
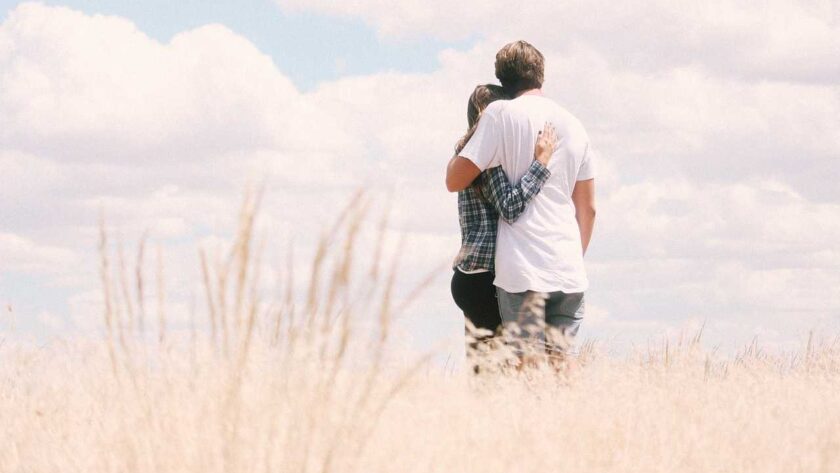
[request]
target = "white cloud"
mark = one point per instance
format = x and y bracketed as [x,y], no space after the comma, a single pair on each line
[777,39]
[87,88]
[19,254]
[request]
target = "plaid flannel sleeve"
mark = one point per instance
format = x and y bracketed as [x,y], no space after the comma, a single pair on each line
[510,200]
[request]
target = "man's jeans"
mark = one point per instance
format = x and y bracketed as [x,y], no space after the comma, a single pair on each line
[552,319]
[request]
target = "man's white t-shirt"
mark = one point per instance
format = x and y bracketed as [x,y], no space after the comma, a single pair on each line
[541,251]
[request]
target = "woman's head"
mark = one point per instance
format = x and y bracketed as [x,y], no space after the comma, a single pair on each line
[482,96]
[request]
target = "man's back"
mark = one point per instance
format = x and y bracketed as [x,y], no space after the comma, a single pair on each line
[540,256]
[541,251]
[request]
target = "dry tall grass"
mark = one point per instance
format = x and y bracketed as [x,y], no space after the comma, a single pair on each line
[270,385]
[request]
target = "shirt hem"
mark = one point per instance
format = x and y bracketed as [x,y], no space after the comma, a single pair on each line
[513,289]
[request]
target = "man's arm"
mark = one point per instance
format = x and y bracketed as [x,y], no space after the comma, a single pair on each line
[583,196]
[460,173]
[510,200]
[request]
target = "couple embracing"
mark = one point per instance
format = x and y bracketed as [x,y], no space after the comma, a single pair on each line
[526,204]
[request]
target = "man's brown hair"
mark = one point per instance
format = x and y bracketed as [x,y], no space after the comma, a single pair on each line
[520,66]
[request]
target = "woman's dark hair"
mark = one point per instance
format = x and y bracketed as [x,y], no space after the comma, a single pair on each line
[482,96]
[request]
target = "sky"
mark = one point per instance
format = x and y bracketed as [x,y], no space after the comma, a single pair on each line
[717,125]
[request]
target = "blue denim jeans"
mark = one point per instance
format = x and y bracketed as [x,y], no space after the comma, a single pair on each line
[551,318]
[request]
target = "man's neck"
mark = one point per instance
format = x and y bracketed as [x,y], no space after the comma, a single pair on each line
[530,92]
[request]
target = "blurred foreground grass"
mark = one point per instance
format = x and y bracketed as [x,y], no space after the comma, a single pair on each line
[278,386]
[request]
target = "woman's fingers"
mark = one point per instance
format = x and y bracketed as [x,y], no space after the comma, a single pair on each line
[549,135]
[544,135]
[545,145]
[547,139]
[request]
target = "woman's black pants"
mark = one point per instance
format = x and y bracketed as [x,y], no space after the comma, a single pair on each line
[475,295]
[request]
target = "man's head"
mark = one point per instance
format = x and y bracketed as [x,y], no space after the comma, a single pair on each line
[519,67]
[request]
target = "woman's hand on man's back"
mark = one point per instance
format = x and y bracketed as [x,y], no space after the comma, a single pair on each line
[547,142]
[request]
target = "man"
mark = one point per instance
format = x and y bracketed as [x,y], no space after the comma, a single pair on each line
[540,276]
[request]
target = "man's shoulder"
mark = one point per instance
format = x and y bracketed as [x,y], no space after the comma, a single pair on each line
[495,108]
[524,110]
[538,104]
[572,122]
[564,119]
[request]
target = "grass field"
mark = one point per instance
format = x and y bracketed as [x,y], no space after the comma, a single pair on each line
[276,386]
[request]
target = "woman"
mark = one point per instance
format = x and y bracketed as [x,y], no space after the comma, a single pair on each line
[479,207]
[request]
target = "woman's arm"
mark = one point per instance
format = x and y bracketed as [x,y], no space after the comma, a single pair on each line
[510,200]
[460,173]
[476,155]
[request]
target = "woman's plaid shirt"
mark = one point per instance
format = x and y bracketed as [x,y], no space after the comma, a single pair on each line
[479,209]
